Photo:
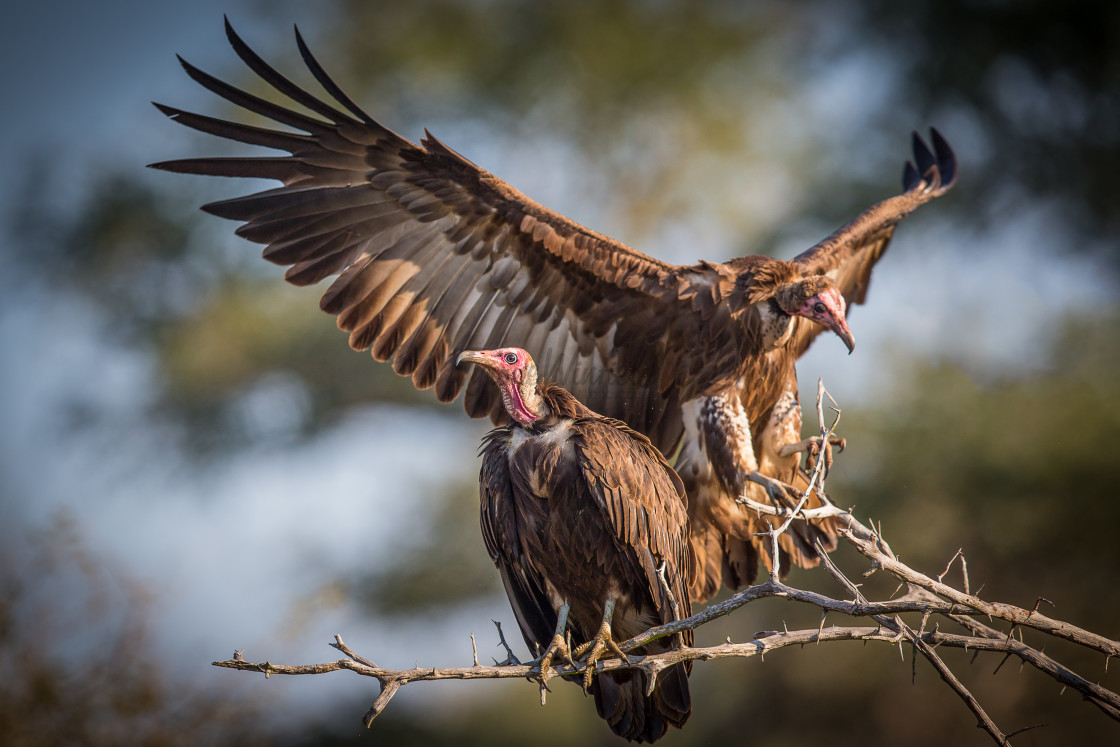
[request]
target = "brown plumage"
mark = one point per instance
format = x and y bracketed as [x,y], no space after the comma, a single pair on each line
[584,518]
[435,255]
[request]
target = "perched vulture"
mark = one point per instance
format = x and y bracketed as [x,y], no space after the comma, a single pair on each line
[434,256]
[587,524]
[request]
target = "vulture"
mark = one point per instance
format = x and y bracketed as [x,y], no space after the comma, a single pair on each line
[587,525]
[433,255]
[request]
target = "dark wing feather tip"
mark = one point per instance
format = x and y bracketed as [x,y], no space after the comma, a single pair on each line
[166,110]
[923,156]
[910,176]
[330,86]
[946,159]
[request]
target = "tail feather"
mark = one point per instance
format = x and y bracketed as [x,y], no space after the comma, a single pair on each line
[620,699]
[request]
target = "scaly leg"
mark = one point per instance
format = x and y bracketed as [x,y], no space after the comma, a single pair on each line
[600,644]
[557,646]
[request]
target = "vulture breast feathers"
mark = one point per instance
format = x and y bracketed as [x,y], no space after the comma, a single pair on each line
[587,524]
[432,255]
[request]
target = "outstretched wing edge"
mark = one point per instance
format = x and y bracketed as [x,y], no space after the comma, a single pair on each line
[433,254]
[849,254]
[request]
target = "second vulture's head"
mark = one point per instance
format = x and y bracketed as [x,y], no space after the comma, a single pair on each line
[781,291]
[818,299]
[513,370]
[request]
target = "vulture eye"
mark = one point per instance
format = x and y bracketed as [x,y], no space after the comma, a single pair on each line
[820,308]
[511,358]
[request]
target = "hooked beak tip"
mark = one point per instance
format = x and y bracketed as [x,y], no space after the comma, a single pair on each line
[844,332]
[470,356]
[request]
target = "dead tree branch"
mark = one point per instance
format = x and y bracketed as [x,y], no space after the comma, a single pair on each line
[931,598]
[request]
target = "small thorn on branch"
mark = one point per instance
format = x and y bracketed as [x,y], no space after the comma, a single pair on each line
[949,565]
[510,658]
[1034,609]
[1025,728]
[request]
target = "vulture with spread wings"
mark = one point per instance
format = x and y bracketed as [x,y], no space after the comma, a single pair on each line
[434,255]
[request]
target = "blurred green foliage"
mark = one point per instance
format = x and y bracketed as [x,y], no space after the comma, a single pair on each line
[1007,466]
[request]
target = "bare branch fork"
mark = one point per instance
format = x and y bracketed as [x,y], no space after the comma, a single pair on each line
[931,598]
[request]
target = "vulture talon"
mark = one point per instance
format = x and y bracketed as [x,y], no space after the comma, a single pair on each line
[782,494]
[602,643]
[558,646]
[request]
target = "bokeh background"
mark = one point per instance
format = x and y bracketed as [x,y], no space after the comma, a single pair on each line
[192,461]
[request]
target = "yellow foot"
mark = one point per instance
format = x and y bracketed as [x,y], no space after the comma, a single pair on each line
[602,643]
[558,647]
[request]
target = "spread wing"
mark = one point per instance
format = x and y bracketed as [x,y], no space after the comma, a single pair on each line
[849,254]
[643,502]
[435,255]
[523,582]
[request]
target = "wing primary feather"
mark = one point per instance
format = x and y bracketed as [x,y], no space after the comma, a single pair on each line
[278,81]
[254,103]
[280,168]
[910,177]
[332,88]
[286,202]
[366,219]
[923,156]
[946,160]
[338,250]
[289,141]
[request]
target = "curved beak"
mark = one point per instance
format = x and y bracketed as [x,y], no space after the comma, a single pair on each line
[840,327]
[474,356]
